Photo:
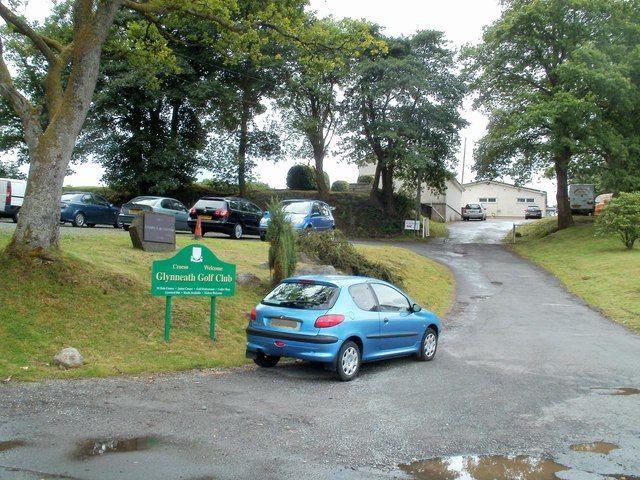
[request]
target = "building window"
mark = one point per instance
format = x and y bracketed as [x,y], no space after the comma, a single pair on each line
[487,200]
[526,200]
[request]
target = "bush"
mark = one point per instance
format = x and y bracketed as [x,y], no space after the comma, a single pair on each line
[621,218]
[282,251]
[301,177]
[340,186]
[332,248]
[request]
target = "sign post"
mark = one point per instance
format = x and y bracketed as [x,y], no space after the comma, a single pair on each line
[193,271]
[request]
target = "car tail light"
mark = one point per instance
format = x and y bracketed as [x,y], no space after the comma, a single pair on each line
[221,213]
[8,201]
[326,321]
[279,343]
[253,314]
[192,211]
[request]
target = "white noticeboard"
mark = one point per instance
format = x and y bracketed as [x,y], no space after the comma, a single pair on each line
[412,225]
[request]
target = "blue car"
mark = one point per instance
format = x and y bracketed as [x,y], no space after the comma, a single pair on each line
[341,321]
[88,209]
[304,215]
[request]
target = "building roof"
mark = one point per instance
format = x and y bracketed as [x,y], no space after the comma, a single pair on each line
[488,182]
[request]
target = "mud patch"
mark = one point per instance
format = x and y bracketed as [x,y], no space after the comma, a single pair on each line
[594,447]
[618,391]
[94,448]
[11,444]
[484,468]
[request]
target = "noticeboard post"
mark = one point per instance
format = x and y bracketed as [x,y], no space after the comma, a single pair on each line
[193,271]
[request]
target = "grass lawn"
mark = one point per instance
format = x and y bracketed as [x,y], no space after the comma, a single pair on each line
[600,270]
[99,301]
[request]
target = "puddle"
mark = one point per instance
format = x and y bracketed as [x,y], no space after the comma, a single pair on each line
[484,468]
[11,444]
[94,448]
[594,447]
[619,391]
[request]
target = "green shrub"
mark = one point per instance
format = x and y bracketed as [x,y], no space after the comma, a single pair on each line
[621,218]
[301,177]
[282,250]
[332,248]
[340,186]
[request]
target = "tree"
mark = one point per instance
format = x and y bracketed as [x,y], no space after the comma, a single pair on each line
[402,110]
[319,65]
[535,75]
[71,68]
[621,218]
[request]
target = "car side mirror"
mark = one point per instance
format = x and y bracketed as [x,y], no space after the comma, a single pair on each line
[415,308]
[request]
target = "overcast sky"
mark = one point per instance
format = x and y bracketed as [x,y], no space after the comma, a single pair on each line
[461,21]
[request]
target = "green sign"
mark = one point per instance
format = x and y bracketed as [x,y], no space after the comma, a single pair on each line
[193,271]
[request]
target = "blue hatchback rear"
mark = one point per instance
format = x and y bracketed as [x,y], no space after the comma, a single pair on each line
[341,321]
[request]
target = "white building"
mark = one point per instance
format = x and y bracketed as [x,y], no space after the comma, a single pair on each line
[500,199]
[503,200]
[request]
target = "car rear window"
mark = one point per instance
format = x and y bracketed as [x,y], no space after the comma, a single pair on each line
[303,295]
[212,204]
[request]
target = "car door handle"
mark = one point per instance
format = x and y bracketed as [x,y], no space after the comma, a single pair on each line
[386,320]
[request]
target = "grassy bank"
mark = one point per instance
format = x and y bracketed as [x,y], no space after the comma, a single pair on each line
[98,300]
[599,270]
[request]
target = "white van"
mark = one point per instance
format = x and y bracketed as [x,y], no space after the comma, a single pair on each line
[11,197]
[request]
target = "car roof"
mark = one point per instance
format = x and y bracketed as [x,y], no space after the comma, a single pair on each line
[338,280]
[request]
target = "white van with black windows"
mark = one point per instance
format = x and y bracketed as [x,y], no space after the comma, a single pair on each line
[11,197]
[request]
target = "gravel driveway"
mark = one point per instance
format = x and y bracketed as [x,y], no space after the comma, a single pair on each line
[523,369]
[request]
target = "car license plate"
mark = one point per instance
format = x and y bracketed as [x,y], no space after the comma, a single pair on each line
[284,323]
[135,210]
[205,217]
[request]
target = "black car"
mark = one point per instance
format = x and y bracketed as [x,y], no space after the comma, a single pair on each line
[230,215]
[532,211]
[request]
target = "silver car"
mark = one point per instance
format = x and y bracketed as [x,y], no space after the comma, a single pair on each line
[166,205]
[474,211]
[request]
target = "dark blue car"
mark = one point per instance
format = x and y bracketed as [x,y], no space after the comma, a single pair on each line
[88,208]
[341,321]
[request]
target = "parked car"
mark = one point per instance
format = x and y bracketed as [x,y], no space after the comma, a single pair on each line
[532,211]
[170,206]
[602,201]
[304,215]
[340,321]
[474,211]
[87,208]
[11,196]
[230,215]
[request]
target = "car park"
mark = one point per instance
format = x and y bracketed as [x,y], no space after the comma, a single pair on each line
[166,205]
[474,211]
[341,321]
[229,215]
[304,215]
[87,209]
[532,211]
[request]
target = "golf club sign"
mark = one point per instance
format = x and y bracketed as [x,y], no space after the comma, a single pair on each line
[193,271]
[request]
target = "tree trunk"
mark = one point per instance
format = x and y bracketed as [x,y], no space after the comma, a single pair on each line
[38,229]
[387,191]
[318,155]
[565,219]
[242,146]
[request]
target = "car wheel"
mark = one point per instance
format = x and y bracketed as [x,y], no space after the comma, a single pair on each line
[79,220]
[125,228]
[429,345]
[266,361]
[16,216]
[263,236]
[237,231]
[117,224]
[348,363]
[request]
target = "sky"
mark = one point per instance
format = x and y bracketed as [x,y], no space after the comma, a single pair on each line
[461,21]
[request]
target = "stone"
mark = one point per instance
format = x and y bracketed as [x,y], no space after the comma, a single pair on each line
[69,358]
[316,270]
[248,279]
[161,227]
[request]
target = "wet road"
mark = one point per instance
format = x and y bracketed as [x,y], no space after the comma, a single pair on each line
[527,379]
